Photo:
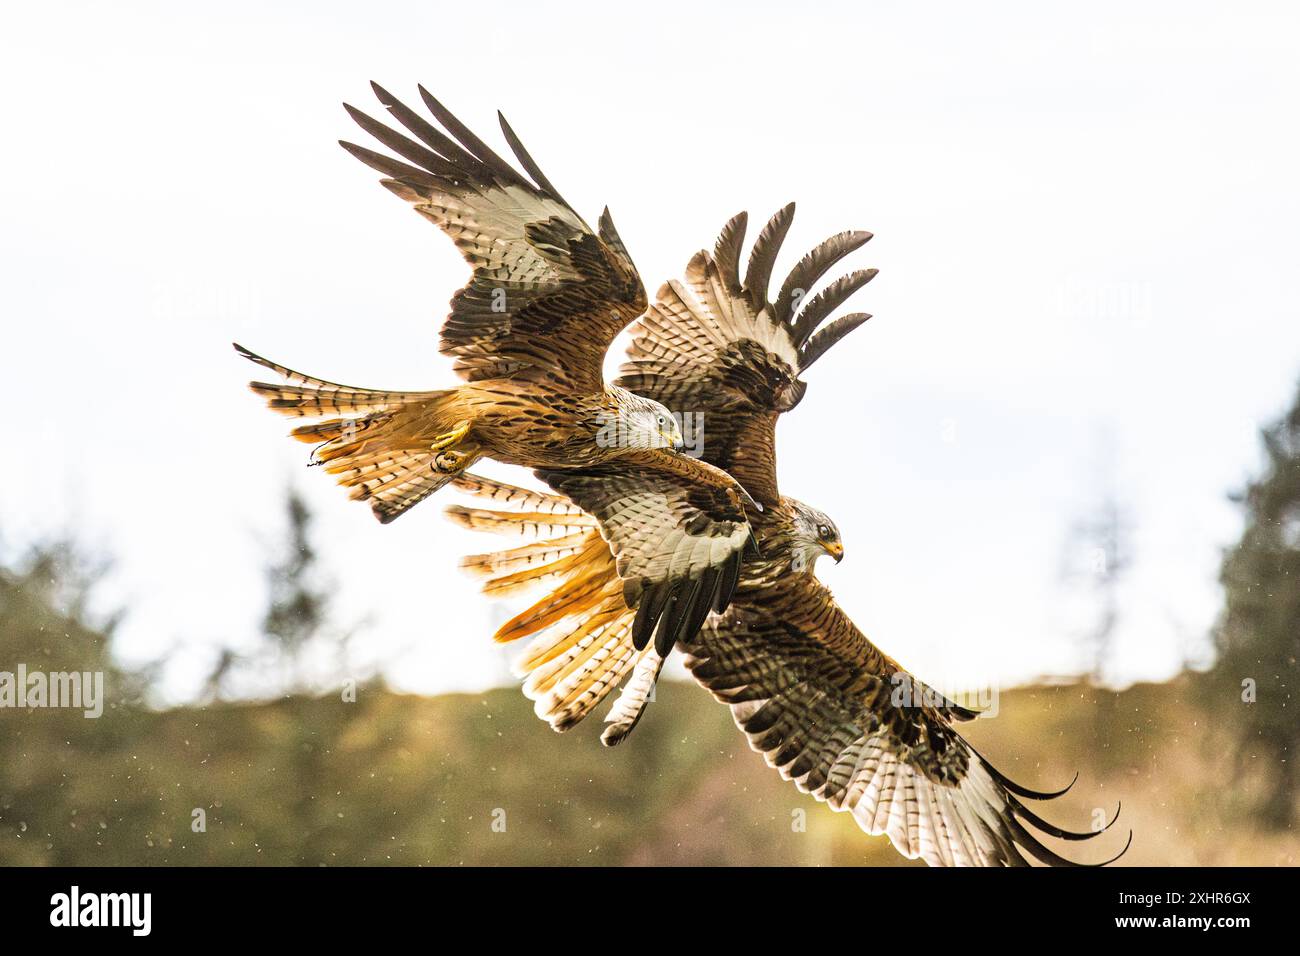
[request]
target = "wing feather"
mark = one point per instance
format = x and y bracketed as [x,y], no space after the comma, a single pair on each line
[818,700]
[677,529]
[716,346]
[547,295]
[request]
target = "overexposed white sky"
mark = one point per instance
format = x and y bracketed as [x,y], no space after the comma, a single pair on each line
[1085,224]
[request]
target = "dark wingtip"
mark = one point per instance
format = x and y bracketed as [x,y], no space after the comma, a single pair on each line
[1040,795]
[360,152]
[1028,794]
[1019,790]
[1121,852]
[430,100]
[1119,805]
[386,99]
[1043,854]
[1052,829]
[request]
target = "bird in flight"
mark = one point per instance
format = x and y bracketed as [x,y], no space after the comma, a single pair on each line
[825,707]
[641,544]
[528,334]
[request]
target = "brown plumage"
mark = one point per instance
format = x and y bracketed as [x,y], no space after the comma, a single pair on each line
[714,342]
[528,334]
[824,705]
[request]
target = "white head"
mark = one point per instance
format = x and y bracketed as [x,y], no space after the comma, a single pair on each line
[814,535]
[643,423]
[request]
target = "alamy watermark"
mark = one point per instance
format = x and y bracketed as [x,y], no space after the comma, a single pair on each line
[907,692]
[78,690]
[1128,301]
[133,911]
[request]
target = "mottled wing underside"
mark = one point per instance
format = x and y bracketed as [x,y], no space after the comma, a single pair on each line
[547,295]
[678,531]
[843,721]
[715,344]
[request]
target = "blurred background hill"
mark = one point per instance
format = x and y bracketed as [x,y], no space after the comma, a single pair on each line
[477,779]
[362,775]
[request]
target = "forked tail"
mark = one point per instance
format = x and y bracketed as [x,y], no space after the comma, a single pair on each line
[393,449]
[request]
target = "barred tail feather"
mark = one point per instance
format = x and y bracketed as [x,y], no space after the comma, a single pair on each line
[529,523]
[570,685]
[580,629]
[560,566]
[377,443]
[523,498]
[496,565]
[577,594]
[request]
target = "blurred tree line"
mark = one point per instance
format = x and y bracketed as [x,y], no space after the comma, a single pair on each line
[1258,635]
[67,781]
[357,774]
[301,647]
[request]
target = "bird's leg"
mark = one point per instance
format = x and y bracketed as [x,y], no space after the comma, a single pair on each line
[443,442]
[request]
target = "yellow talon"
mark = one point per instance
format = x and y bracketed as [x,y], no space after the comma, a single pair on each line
[451,438]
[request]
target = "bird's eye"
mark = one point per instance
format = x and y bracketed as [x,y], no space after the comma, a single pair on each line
[824,531]
[661,419]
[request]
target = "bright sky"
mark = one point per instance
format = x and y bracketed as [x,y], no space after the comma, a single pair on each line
[1085,224]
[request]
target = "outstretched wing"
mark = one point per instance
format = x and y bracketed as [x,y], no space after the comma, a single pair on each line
[678,531]
[847,724]
[717,346]
[548,295]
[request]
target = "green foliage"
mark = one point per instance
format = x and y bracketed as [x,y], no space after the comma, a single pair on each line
[398,779]
[46,621]
[299,606]
[301,646]
[1258,637]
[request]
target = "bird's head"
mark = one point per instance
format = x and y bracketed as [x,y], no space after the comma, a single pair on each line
[648,424]
[814,534]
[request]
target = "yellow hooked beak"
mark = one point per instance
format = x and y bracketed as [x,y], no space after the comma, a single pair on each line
[672,437]
[835,550]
